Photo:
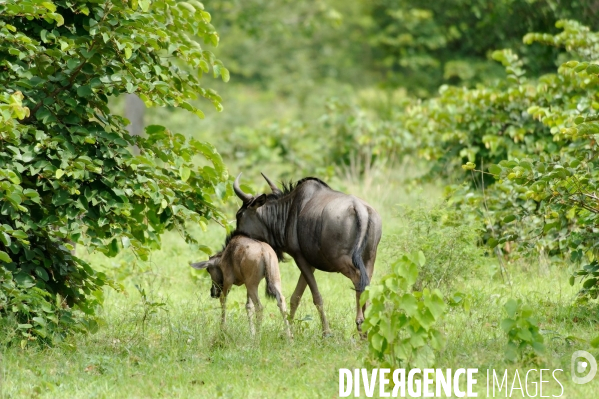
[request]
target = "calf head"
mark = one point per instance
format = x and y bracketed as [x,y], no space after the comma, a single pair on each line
[212,265]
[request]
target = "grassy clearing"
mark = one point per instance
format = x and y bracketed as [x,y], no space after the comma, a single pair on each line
[172,346]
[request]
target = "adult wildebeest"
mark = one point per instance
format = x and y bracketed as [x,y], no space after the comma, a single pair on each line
[320,228]
[244,260]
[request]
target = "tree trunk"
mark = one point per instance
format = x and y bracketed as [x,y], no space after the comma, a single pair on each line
[134,111]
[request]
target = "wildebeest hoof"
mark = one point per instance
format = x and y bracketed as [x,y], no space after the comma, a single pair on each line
[327,334]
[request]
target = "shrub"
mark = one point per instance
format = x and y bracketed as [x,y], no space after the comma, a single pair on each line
[400,322]
[67,174]
[525,343]
[588,275]
[563,183]
[30,313]
[448,239]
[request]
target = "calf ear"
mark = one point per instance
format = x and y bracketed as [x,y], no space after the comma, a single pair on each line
[200,265]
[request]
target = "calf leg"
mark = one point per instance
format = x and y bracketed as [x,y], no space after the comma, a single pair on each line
[253,295]
[249,306]
[223,303]
[282,307]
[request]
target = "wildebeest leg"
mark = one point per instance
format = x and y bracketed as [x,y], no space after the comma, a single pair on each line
[359,314]
[308,273]
[349,271]
[249,306]
[369,263]
[296,297]
[253,295]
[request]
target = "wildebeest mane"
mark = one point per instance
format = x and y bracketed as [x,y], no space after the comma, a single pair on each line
[289,187]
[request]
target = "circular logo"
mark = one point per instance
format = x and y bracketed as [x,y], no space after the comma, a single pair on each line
[579,366]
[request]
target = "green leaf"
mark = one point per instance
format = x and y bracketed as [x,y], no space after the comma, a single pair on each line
[211,154]
[153,129]
[224,73]
[409,304]
[20,234]
[4,257]
[469,166]
[511,306]
[50,6]
[589,283]
[58,18]
[184,173]
[59,173]
[494,169]
[376,340]
[437,340]
[5,239]
[13,177]
[205,249]
[595,342]
[593,68]
[435,304]
[145,5]
[507,325]
[421,258]
[41,272]
[199,113]
[84,91]
[524,334]
[73,63]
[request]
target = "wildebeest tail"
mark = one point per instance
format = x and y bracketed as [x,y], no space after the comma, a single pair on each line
[272,275]
[362,224]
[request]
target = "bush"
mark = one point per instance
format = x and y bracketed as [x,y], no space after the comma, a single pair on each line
[529,146]
[399,321]
[448,239]
[525,342]
[67,174]
[31,313]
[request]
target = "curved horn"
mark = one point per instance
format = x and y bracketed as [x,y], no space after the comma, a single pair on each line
[273,187]
[242,196]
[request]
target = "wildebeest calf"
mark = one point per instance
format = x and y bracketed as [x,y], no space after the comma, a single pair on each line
[246,261]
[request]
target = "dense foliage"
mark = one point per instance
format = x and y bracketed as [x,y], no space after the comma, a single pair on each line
[544,164]
[67,174]
[344,88]
[400,321]
[525,342]
[421,44]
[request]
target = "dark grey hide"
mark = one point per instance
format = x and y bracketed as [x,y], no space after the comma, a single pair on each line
[320,228]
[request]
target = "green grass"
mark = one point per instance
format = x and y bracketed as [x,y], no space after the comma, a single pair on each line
[180,351]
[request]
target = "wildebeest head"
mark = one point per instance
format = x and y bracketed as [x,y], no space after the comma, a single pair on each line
[212,265]
[248,219]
